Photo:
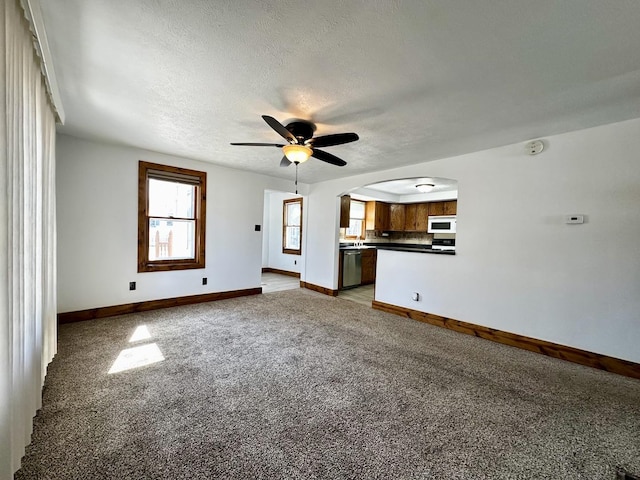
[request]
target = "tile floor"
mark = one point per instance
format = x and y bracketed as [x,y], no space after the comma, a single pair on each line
[363,294]
[275,282]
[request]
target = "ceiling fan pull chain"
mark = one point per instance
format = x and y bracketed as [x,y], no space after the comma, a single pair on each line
[296,178]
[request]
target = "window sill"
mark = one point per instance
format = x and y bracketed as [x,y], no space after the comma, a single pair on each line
[169,266]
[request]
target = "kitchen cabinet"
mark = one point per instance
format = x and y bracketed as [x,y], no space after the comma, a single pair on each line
[416,217]
[436,208]
[345,210]
[450,207]
[369,257]
[340,269]
[410,217]
[396,217]
[422,217]
[405,217]
[377,216]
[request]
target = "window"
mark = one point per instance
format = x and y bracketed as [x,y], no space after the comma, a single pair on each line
[171,218]
[292,226]
[356,220]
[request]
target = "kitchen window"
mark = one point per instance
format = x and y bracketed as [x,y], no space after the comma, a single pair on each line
[356,220]
[171,218]
[292,226]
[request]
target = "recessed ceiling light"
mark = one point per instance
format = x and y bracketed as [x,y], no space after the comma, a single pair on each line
[425,187]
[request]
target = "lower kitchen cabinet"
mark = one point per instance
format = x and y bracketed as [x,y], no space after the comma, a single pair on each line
[369,257]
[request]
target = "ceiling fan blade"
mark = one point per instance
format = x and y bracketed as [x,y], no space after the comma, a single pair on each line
[335,139]
[278,127]
[327,157]
[285,162]
[259,144]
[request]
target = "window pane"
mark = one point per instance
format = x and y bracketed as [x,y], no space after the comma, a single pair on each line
[355,228]
[356,210]
[171,199]
[293,214]
[171,239]
[292,238]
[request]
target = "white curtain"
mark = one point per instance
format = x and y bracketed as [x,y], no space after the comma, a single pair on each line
[27,235]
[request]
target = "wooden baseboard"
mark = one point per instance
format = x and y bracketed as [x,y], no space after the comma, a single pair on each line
[281,272]
[317,288]
[102,312]
[575,355]
[624,475]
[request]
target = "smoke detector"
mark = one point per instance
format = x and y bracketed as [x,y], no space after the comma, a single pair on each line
[534,147]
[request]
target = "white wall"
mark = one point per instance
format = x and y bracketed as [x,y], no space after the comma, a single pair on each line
[273,256]
[97,227]
[518,267]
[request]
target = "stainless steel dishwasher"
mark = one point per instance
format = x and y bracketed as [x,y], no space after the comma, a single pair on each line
[351,268]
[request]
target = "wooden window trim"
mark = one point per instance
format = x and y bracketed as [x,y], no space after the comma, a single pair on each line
[290,251]
[146,265]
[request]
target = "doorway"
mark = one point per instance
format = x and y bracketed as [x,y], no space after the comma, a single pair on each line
[280,268]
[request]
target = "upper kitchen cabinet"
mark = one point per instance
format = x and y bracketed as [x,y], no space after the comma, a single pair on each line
[377,216]
[397,217]
[410,217]
[436,208]
[345,211]
[416,217]
[422,217]
[450,207]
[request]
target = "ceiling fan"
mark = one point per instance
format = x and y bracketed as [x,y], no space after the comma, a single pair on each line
[302,144]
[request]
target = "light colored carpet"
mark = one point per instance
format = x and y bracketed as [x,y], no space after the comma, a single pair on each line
[295,384]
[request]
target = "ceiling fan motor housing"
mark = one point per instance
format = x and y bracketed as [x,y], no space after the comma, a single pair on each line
[301,129]
[299,133]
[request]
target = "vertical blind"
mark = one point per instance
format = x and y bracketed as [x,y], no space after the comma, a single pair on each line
[27,236]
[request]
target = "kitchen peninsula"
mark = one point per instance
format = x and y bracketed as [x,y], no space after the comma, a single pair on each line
[358,263]
[369,226]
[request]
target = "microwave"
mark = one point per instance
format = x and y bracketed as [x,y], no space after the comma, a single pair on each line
[442,224]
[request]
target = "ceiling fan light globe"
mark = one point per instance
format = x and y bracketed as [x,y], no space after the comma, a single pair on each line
[297,153]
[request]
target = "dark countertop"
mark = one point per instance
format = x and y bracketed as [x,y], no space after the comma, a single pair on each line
[419,249]
[399,247]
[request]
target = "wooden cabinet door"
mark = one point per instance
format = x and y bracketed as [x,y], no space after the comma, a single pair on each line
[370,216]
[451,207]
[340,268]
[382,216]
[410,217]
[345,210]
[396,214]
[436,208]
[368,266]
[422,217]
[377,216]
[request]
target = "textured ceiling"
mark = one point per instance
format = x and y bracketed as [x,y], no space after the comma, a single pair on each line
[417,80]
